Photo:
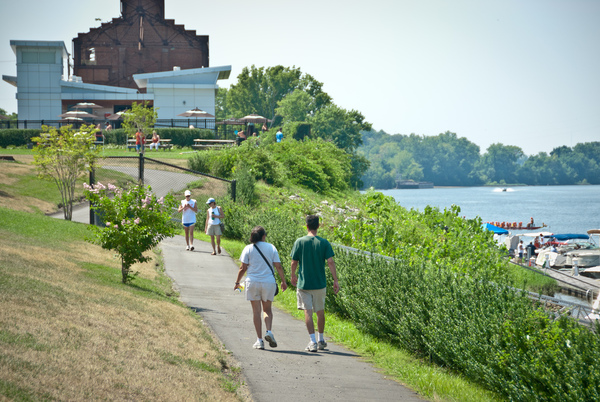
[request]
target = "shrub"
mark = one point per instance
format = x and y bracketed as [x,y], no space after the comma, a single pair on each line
[17,137]
[245,184]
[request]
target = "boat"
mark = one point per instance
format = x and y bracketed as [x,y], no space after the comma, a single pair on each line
[568,249]
[517,225]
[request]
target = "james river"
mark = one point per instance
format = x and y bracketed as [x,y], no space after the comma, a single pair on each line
[565,209]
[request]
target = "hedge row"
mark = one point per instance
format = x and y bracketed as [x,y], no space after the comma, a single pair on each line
[183,137]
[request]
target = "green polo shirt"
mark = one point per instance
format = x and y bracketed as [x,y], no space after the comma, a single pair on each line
[311,252]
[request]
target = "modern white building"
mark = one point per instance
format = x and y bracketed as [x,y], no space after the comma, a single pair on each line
[45,90]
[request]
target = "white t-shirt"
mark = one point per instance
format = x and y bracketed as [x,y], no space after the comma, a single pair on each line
[258,270]
[188,215]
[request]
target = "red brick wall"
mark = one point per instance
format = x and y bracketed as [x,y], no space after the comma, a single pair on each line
[140,41]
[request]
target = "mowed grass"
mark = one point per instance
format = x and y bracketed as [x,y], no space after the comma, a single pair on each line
[69,330]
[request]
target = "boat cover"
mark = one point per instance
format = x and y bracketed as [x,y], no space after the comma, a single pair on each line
[494,229]
[569,236]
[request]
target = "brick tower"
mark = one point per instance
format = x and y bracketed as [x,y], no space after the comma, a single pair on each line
[140,41]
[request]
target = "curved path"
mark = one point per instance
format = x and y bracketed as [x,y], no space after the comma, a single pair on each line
[205,284]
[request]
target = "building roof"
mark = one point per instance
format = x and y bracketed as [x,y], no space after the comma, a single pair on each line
[39,43]
[189,77]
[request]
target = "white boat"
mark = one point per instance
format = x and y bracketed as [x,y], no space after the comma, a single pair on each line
[567,249]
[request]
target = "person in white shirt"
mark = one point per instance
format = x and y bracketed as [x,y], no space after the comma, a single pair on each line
[212,227]
[260,282]
[188,209]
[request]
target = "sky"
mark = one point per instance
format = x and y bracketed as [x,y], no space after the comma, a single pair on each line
[516,72]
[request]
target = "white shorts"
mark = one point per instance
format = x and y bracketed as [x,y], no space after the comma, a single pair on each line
[214,230]
[264,291]
[313,299]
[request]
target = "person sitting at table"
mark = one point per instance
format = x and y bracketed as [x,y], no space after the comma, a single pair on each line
[241,136]
[155,140]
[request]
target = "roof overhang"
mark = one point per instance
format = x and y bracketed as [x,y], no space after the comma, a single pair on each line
[195,76]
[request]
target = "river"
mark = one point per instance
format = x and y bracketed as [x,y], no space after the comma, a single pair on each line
[564,209]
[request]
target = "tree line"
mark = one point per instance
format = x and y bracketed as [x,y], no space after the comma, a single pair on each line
[449,160]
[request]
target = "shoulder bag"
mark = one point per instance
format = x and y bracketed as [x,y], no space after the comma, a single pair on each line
[221,224]
[273,272]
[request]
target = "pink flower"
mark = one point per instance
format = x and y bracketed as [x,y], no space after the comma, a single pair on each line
[116,226]
[112,187]
[137,221]
[107,223]
[86,186]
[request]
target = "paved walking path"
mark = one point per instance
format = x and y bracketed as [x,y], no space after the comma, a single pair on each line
[205,283]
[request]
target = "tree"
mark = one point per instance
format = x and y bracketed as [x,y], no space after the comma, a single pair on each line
[5,114]
[135,221]
[63,155]
[499,164]
[296,107]
[260,89]
[332,123]
[141,117]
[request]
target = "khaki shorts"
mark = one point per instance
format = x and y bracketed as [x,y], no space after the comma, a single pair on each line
[313,299]
[264,291]
[214,230]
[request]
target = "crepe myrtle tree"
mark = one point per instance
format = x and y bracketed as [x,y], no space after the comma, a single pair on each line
[134,221]
[63,155]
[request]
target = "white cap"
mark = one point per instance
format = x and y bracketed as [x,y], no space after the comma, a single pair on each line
[187,192]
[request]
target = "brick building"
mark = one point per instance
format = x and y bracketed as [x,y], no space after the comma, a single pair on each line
[140,41]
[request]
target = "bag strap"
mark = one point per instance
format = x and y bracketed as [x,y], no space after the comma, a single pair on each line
[264,258]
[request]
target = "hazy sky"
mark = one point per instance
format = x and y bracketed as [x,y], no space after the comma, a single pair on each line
[518,72]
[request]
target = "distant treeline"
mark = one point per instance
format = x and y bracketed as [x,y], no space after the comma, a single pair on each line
[447,160]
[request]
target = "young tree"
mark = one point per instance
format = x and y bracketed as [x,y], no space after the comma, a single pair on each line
[141,117]
[63,155]
[135,221]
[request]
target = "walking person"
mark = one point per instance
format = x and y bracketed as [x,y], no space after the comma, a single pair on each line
[212,227]
[258,259]
[309,255]
[188,209]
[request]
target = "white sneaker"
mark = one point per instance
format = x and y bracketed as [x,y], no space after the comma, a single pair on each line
[271,339]
[187,248]
[192,247]
[259,344]
[322,345]
[312,347]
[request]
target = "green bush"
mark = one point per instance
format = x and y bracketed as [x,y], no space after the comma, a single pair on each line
[17,137]
[245,184]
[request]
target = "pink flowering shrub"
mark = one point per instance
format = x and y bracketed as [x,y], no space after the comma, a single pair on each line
[135,221]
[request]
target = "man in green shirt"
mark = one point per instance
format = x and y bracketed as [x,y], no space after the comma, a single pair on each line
[309,255]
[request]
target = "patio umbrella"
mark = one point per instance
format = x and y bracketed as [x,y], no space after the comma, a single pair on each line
[196,113]
[87,105]
[231,122]
[77,113]
[255,118]
[72,118]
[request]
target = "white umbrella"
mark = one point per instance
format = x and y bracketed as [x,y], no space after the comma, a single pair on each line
[87,105]
[255,118]
[77,113]
[196,113]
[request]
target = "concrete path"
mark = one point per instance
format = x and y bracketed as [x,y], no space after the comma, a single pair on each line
[205,283]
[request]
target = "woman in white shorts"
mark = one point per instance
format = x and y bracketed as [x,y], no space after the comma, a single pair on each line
[260,282]
[188,209]
[212,227]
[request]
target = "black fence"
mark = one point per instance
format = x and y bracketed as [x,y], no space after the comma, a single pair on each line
[161,176]
[210,124]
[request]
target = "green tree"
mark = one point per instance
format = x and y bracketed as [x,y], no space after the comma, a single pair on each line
[343,127]
[141,117]
[499,164]
[296,107]
[260,89]
[63,155]
[5,114]
[135,221]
